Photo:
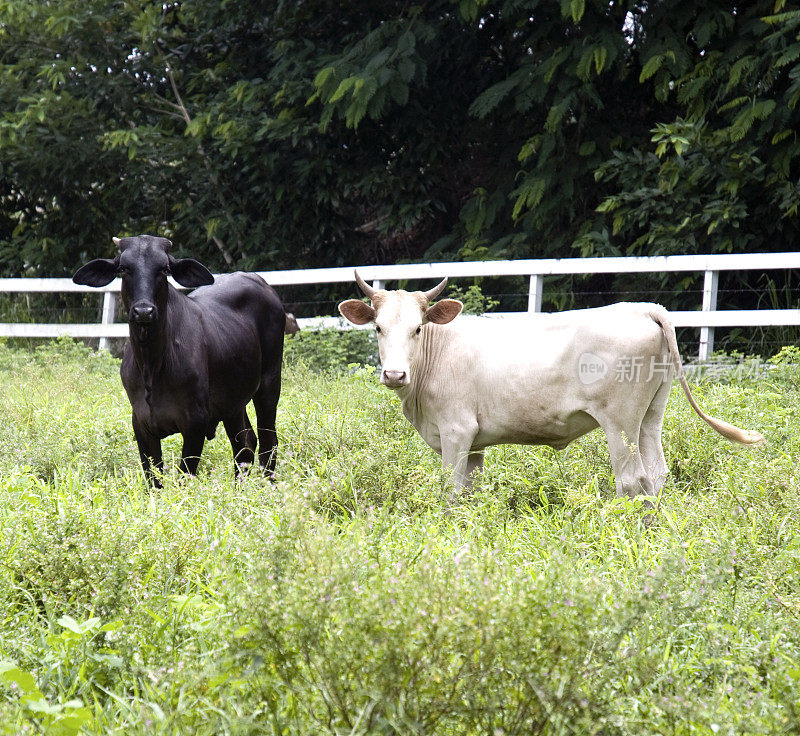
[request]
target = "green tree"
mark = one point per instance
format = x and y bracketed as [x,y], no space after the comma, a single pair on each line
[721,176]
[62,78]
[269,134]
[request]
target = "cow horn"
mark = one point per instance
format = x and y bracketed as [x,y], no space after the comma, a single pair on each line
[121,243]
[364,286]
[431,294]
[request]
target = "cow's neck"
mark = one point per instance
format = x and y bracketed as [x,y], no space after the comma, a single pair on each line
[422,367]
[151,350]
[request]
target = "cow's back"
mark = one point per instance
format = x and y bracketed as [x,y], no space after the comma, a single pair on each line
[547,340]
[238,308]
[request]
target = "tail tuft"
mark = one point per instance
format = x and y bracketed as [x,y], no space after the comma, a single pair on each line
[754,438]
[726,429]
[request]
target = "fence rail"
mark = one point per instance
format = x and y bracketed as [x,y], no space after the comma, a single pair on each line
[706,318]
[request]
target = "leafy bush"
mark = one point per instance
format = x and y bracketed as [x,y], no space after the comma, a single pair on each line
[473,299]
[786,364]
[331,349]
[64,407]
[390,633]
[427,644]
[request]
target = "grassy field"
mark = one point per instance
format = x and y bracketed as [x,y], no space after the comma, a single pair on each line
[347,599]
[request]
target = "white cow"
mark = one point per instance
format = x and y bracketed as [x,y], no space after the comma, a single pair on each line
[546,380]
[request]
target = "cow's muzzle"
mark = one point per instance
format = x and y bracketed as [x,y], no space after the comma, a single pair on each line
[143,314]
[394,379]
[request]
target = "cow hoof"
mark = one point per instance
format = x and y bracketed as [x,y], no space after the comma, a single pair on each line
[242,471]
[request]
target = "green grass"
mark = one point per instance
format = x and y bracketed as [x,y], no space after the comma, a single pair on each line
[348,598]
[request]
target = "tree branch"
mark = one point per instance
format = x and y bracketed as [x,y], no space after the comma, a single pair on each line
[184,113]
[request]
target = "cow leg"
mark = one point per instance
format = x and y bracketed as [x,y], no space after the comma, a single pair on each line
[474,466]
[243,441]
[265,402]
[655,463]
[456,440]
[149,453]
[630,475]
[193,441]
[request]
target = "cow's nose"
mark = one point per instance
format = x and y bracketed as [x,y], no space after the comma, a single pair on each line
[394,378]
[143,314]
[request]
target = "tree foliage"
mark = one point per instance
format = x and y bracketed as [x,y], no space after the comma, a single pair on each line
[723,174]
[269,134]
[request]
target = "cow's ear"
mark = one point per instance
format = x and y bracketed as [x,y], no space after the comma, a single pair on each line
[357,312]
[444,311]
[189,272]
[99,272]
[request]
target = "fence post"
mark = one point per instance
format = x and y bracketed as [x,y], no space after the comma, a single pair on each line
[378,284]
[710,284]
[109,307]
[535,293]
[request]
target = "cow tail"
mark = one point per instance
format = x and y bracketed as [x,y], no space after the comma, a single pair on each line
[729,431]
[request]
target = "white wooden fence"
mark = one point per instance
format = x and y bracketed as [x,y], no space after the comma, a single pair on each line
[706,318]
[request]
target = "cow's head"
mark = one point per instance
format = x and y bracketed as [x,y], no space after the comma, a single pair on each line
[144,264]
[399,317]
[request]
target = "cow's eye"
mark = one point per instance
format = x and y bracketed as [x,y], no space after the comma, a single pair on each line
[418,330]
[378,329]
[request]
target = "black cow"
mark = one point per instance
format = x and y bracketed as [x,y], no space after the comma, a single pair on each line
[194,361]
